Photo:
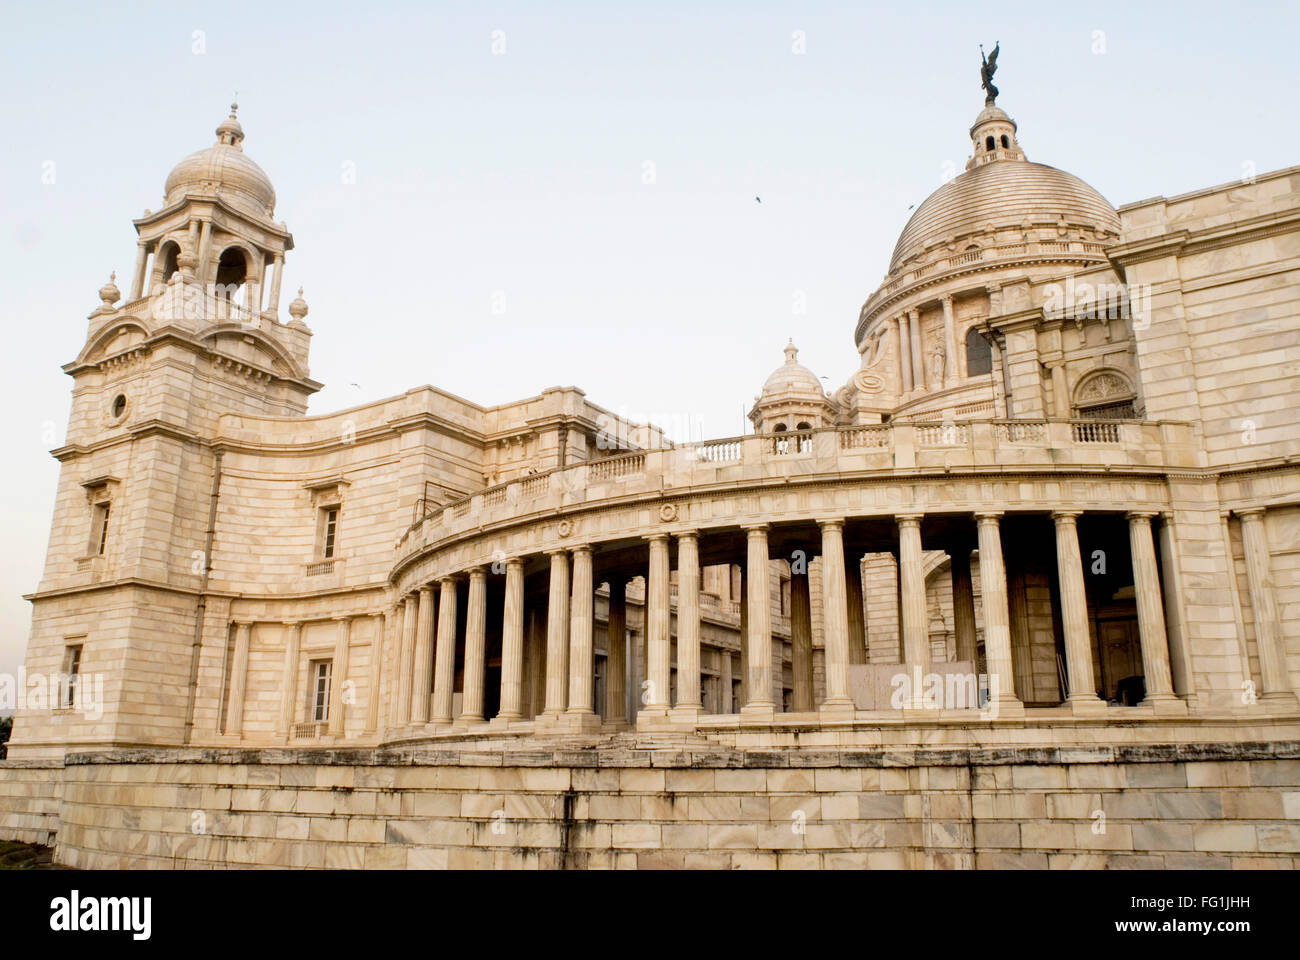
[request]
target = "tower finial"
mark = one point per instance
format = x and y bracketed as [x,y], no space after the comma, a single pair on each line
[791,351]
[987,69]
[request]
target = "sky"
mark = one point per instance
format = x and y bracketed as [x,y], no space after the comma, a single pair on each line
[496,198]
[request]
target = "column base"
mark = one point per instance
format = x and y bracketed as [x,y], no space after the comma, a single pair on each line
[686,714]
[1279,701]
[837,710]
[1165,705]
[1004,708]
[1086,706]
[758,712]
[501,722]
[654,718]
[579,721]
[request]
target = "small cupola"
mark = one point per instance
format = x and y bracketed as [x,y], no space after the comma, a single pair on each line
[792,399]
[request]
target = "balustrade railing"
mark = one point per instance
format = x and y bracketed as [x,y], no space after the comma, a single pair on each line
[906,441]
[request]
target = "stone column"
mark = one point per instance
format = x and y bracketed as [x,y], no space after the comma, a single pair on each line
[857,617]
[581,643]
[376,672]
[963,604]
[1157,678]
[918,357]
[688,625]
[277,268]
[835,614]
[512,644]
[949,344]
[1060,392]
[914,625]
[342,644]
[1082,696]
[137,278]
[1268,630]
[406,662]
[744,636]
[997,619]
[616,646]
[758,603]
[238,679]
[903,327]
[471,701]
[557,635]
[289,679]
[444,661]
[205,254]
[801,699]
[726,703]
[423,670]
[658,627]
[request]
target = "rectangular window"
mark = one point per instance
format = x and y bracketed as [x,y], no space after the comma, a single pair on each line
[785,596]
[72,671]
[330,532]
[320,689]
[98,529]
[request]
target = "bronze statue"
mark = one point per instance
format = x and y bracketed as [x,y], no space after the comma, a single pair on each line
[989,68]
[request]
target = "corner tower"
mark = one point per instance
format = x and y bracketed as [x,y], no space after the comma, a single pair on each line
[197,337]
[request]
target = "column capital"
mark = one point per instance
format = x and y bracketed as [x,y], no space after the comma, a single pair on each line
[652,537]
[514,562]
[478,571]
[423,589]
[830,522]
[1251,513]
[688,535]
[243,624]
[1065,516]
[293,623]
[755,528]
[581,548]
[908,519]
[557,552]
[988,516]
[344,618]
[1141,515]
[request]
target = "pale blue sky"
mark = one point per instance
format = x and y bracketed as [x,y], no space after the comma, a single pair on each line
[522,173]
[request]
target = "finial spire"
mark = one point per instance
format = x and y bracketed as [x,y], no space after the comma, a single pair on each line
[987,69]
[230,132]
[791,351]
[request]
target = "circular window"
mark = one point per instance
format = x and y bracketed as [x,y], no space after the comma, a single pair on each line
[119,405]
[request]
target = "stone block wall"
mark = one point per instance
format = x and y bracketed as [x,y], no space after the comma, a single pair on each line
[1110,807]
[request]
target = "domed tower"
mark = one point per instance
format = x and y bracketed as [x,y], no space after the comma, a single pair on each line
[792,399]
[963,301]
[196,339]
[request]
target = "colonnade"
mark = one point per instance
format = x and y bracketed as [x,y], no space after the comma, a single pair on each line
[570,624]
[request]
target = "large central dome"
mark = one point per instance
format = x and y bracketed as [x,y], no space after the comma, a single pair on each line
[1001,189]
[1000,195]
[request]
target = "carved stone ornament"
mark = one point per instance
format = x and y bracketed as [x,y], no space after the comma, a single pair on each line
[668,512]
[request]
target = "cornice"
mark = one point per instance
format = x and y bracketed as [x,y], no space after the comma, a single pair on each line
[1186,242]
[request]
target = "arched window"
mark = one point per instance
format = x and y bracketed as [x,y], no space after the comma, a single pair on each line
[990,143]
[167,257]
[804,425]
[979,353]
[232,271]
[1006,144]
[779,428]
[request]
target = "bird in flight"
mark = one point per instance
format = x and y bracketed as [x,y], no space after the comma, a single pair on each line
[758,199]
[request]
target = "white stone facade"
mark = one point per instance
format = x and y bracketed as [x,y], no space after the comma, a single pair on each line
[1068,461]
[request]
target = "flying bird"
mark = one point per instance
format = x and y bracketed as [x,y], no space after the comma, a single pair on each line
[758,199]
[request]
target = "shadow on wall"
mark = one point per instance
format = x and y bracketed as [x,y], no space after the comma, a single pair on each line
[6,728]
